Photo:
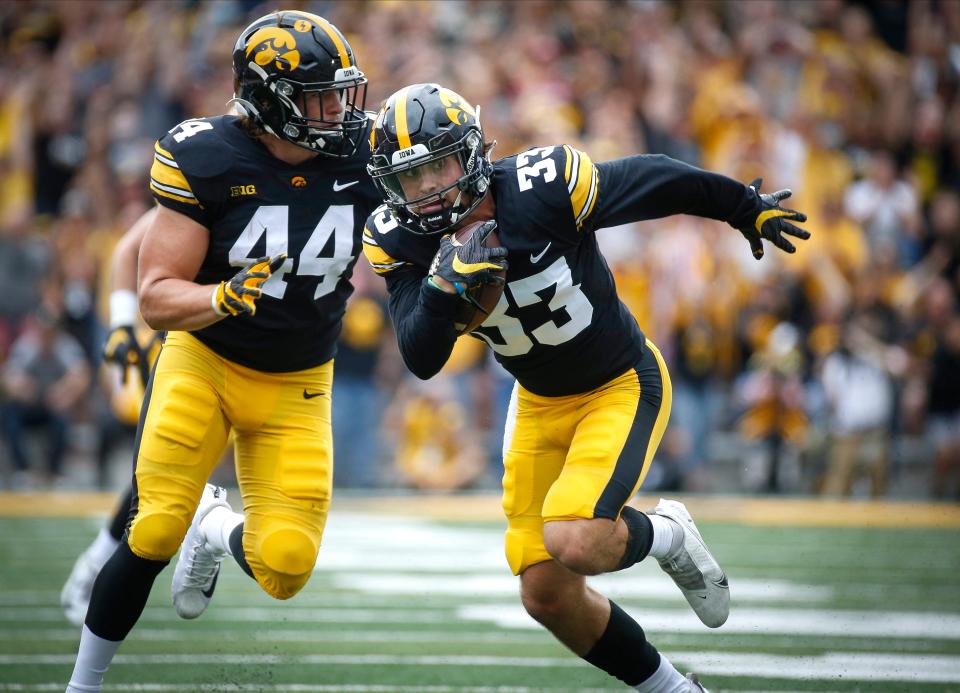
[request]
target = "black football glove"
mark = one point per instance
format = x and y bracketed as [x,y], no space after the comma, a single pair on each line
[770,222]
[122,349]
[470,265]
[238,296]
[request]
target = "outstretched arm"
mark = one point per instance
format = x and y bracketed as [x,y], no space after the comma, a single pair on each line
[644,187]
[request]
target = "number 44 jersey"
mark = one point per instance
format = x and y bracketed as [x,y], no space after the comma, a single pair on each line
[253,204]
[559,327]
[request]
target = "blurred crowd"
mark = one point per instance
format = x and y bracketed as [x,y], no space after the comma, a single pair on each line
[834,371]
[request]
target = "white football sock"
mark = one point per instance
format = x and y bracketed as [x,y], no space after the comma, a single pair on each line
[217,527]
[665,679]
[102,548]
[667,536]
[93,660]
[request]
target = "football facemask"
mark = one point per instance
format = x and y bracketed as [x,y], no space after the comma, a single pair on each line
[434,211]
[420,127]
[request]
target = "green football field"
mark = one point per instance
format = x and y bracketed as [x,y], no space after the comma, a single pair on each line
[407,600]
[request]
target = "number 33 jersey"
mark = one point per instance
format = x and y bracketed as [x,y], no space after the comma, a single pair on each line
[559,327]
[253,204]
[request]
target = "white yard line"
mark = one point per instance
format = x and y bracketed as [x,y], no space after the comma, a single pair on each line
[292,635]
[877,624]
[846,666]
[657,586]
[304,688]
[270,614]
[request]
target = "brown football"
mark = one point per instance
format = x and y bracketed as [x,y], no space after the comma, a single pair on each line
[468,318]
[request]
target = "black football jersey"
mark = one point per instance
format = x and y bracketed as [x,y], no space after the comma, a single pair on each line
[559,327]
[254,205]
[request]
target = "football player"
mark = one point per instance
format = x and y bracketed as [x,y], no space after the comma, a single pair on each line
[588,381]
[124,350]
[246,266]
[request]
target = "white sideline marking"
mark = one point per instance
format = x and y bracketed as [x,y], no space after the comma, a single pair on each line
[831,665]
[268,614]
[663,640]
[652,587]
[849,666]
[306,688]
[302,688]
[306,636]
[345,660]
[876,624]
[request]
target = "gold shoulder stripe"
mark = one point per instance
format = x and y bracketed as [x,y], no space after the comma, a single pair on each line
[378,258]
[160,191]
[571,169]
[170,178]
[582,183]
[383,269]
[162,152]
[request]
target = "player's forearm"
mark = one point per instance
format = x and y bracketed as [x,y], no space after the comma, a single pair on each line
[176,304]
[644,187]
[123,272]
[123,262]
[423,320]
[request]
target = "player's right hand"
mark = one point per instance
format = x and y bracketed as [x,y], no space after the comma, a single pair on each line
[238,296]
[472,264]
[122,349]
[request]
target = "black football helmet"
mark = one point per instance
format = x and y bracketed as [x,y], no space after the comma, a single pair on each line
[418,125]
[286,57]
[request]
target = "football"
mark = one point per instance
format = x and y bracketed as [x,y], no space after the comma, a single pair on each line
[468,317]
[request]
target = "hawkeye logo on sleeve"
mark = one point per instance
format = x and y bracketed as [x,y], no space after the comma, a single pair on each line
[272,44]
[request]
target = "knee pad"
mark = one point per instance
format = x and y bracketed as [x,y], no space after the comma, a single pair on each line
[524,547]
[157,536]
[287,557]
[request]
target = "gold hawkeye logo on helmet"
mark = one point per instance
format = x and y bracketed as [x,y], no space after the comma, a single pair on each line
[457,108]
[278,46]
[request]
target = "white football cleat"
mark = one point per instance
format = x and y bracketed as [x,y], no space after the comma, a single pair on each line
[75,595]
[695,685]
[198,566]
[695,570]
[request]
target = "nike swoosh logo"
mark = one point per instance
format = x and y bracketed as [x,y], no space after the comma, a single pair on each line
[337,187]
[310,395]
[213,585]
[464,268]
[769,214]
[536,258]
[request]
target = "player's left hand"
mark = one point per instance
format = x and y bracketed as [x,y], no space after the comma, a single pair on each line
[772,222]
